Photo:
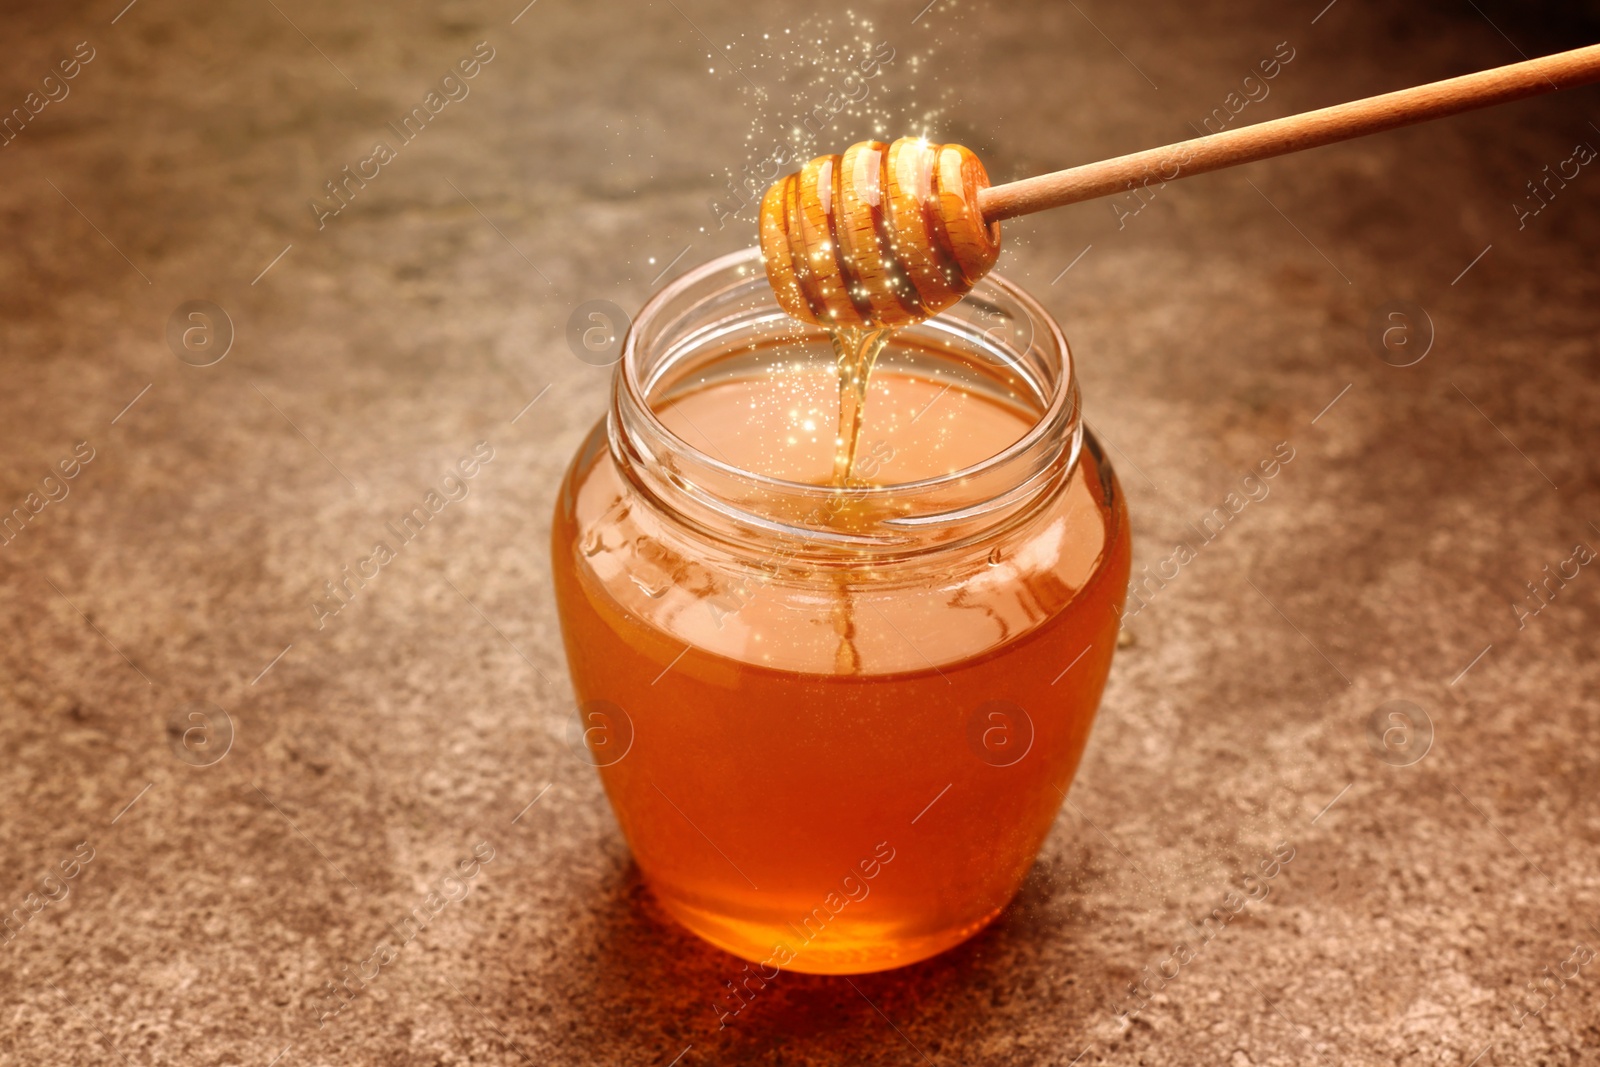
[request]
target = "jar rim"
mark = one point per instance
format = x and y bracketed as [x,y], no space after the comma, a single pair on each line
[999,485]
[1063,393]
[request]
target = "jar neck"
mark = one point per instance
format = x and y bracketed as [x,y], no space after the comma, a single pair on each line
[728,301]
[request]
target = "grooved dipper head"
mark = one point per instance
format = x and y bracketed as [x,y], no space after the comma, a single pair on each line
[883,235]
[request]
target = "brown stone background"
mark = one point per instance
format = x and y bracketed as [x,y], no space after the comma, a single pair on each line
[373,755]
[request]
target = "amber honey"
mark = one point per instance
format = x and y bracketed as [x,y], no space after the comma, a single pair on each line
[836,714]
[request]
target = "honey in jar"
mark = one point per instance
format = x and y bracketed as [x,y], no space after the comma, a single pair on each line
[836,703]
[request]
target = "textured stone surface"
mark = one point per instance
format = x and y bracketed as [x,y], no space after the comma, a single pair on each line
[418,722]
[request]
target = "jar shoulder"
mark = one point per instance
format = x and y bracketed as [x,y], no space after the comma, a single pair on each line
[618,557]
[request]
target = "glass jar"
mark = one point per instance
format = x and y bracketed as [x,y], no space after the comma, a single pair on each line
[836,723]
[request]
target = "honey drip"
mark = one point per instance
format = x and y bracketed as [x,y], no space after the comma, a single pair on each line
[856,348]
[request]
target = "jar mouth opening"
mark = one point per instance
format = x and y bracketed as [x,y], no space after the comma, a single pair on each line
[1059,396]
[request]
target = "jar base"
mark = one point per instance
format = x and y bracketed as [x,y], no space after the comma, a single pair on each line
[867,948]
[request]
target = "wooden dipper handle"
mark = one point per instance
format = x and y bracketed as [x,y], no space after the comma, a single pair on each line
[886,235]
[1246,144]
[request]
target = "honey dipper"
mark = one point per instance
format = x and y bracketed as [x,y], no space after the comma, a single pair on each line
[889,234]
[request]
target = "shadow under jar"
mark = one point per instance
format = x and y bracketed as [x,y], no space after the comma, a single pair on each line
[835,722]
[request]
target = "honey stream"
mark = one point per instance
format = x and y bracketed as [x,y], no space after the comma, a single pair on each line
[856,350]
